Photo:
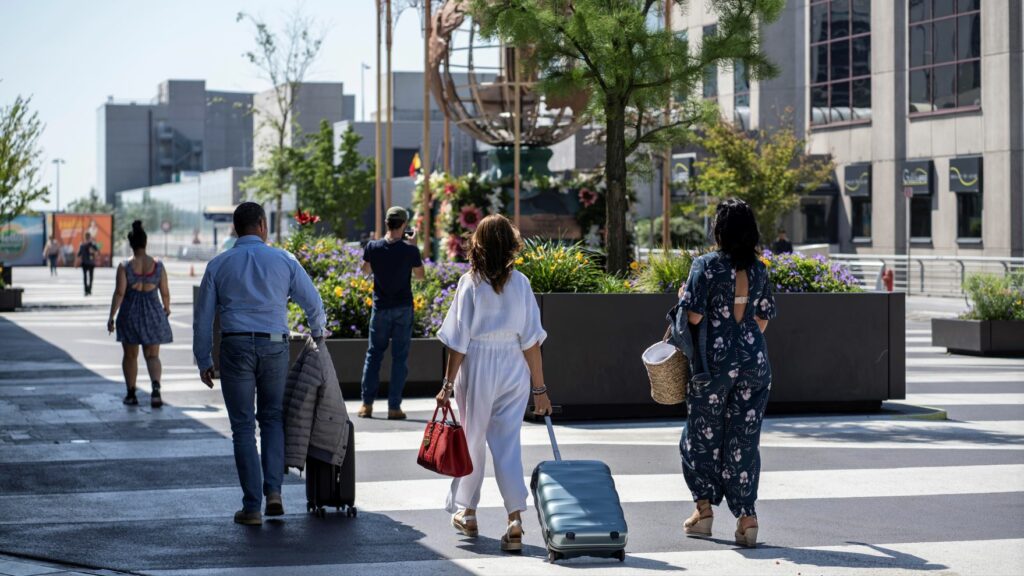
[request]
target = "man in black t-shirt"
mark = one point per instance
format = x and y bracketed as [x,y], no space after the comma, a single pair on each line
[392,261]
[782,245]
[87,251]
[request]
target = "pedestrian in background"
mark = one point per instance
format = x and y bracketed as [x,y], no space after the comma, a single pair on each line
[393,262]
[87,252]
[249,286]
[50,254]
[142,303]
[728,299]
[493,334]
[782,245]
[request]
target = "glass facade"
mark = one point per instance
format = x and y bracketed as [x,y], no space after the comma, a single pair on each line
[945,55]
[968,216]
[840,61]
[860,218]
[741,95]
[711,72]
[921,218]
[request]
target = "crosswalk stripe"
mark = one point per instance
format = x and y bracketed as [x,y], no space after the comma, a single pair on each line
[966,399]
[429,494]
[966,558]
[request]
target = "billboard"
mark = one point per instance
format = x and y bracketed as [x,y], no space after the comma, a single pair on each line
[22,241]
[70,230]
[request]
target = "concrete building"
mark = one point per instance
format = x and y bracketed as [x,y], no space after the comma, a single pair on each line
[315,101]
[184,128]
[919,103]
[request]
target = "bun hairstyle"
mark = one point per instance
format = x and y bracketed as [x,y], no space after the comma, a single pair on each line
[736,232]
[137,236]
[493,249]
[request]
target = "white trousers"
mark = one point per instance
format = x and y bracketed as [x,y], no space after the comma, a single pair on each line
[492,391]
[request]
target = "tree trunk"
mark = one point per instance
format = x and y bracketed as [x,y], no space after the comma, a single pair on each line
[277,217]
[616,241]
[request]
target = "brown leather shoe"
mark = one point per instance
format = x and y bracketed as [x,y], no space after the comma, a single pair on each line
[275,507]
[365,411]
[396,415]
[253,518]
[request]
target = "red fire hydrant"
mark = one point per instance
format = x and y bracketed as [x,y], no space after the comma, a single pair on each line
[888,279]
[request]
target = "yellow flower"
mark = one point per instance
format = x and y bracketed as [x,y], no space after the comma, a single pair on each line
[552,267]
[519,261]
[368,301]
[579,256]
[634,265]
[766,262]
[337,291]
[418,303]
[626,284]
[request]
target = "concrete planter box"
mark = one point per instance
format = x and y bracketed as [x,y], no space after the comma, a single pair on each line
[10,299]
[426,361]
[979,337]
[827,351]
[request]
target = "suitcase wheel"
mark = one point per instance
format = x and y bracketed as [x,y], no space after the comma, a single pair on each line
[621,555]
[351,512]
[552,556]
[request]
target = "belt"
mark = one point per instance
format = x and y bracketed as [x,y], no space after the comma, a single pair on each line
[264,335]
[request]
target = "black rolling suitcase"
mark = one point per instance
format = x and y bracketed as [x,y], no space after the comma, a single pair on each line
[329,486]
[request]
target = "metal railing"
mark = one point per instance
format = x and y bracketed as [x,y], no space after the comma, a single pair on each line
[925,274]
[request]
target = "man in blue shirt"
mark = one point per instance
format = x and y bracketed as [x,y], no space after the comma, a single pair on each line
[392,262]
[249,287]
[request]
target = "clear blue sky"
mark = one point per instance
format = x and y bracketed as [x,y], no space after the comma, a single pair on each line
[69,55]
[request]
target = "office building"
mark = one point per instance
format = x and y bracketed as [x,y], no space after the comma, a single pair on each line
[184,128]
[918,102]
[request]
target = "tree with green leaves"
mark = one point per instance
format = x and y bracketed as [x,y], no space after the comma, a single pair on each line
[339,191]
[20,129]
[768,169]
[285,58]
[91,204]
[632,71]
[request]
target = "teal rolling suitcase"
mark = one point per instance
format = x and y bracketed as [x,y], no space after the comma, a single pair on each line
[578,507]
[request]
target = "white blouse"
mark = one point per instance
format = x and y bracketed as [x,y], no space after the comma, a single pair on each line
[478,313]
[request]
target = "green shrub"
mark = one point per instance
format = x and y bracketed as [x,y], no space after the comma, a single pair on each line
[555,267]
[664,273]
[611,284]
[685,232]
[995,297]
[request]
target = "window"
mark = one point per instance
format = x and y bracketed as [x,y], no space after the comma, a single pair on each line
[921,218]
[861,217]
[741,95]
[840,67]
[945,55]
[711,72]
[968,216]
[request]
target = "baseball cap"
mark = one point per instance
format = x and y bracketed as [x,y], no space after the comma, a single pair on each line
[397,213]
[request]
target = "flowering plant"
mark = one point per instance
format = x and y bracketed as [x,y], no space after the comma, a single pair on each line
[306,218]
[798,273]
[555,267]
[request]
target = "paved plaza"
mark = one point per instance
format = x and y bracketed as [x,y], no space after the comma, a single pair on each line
[88,485]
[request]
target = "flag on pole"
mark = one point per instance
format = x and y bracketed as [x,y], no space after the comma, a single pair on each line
[414,166]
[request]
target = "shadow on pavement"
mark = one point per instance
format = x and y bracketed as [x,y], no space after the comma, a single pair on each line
[885,558]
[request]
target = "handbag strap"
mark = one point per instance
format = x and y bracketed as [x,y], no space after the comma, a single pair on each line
[446,414]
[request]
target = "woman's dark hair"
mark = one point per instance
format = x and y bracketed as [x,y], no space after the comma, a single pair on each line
[137,236]
[736,232]
[493,249]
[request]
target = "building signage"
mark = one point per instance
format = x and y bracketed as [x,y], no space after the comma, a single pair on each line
[681,173]
[965,174]
[857,179]
[917,175]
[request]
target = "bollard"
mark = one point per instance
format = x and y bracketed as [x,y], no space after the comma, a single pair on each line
[889,279]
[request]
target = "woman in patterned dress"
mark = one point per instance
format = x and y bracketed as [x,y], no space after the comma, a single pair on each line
[142,302]
[730,292]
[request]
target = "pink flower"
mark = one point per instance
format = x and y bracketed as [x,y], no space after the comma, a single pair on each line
[449,189]
[470,216]
[587,197]
[454,247]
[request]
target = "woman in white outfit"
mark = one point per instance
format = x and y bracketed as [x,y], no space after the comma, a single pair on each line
[493,334]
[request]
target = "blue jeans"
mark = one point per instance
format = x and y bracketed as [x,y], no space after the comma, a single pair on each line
[253,372]
[392,325]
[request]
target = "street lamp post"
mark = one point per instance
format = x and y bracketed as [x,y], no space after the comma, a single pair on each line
[57,162]
[363,67]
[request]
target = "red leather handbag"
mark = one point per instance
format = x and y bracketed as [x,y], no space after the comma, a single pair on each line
[444,449]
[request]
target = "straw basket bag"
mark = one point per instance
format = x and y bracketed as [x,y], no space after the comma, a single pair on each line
[668,371]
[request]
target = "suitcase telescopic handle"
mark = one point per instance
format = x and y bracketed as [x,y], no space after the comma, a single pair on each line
[551,435]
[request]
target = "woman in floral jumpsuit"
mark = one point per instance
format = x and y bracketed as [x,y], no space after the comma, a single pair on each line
[730,292]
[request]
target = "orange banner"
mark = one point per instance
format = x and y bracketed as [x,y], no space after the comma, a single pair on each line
[70,230]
